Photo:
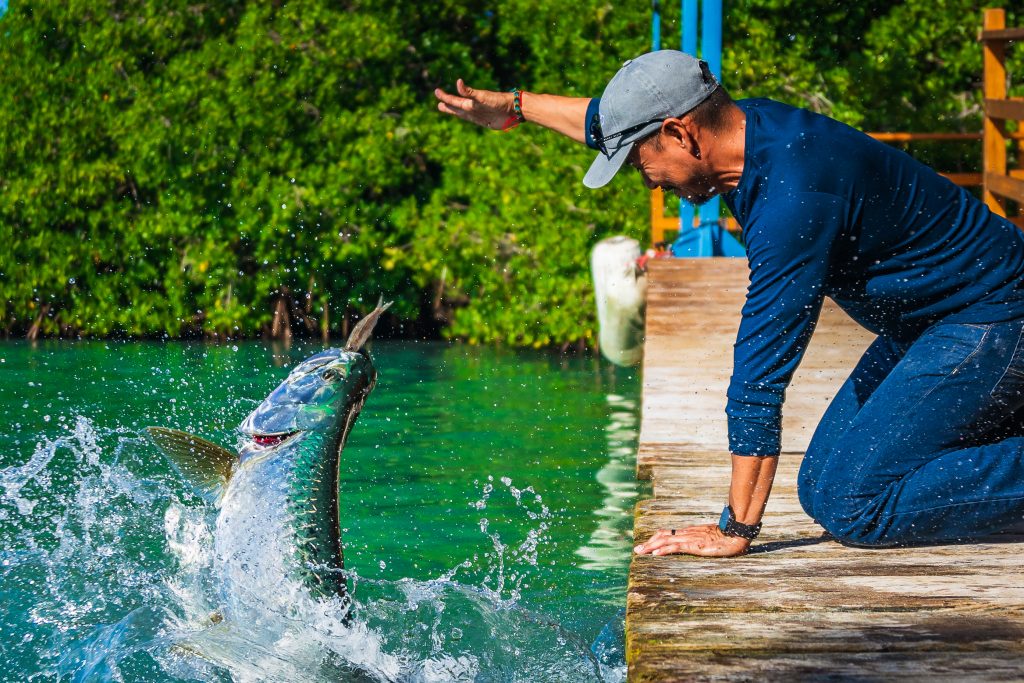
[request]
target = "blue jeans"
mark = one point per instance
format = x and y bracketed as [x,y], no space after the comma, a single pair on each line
[924,441]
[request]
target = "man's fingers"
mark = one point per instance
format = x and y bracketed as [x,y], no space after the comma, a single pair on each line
[691,548]
[442,107]
[692,544]
[681,531]
[665,537]
[453,101]
[463,89]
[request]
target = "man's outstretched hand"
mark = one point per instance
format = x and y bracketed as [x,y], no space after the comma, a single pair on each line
[706,540]
[483,107]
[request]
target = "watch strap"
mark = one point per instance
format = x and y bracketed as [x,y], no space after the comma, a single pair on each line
[730,527]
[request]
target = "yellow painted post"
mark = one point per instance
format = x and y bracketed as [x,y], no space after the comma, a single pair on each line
[994,137]
[659,221]
[657,216]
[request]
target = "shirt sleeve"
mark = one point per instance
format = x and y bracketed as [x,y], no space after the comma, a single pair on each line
[592,124]
[788,252]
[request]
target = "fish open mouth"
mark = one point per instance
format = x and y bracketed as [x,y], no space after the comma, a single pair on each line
[270,440]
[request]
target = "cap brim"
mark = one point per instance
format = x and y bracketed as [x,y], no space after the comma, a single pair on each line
[604,168]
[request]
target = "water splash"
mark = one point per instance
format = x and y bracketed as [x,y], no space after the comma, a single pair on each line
[119,582]
[404,630]
[508,585]
[90,562]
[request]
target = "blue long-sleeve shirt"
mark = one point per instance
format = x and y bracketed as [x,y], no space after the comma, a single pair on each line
[827,210]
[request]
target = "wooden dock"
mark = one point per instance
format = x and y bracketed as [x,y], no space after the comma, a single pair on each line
[798,606]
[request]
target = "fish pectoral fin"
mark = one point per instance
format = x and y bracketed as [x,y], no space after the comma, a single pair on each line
[203,463]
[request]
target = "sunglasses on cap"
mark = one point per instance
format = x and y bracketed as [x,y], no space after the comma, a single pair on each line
[601,141]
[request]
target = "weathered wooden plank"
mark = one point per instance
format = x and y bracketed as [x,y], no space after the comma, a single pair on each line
[749,595]
[665,664]
[686,454]
[843,631]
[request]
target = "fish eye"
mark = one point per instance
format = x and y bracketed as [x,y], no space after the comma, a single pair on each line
[332,374]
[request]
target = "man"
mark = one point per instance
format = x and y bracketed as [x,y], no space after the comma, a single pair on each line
[919,444]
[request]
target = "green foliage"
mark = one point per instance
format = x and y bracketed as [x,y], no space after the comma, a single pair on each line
[176,168]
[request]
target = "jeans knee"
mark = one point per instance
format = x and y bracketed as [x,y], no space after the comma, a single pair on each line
[845,516]
[805,492]
[812,468]
[849,529]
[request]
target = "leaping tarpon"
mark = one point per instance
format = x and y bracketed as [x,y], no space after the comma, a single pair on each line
[278,529]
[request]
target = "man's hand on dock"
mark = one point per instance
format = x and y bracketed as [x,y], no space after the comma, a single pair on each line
[706,540]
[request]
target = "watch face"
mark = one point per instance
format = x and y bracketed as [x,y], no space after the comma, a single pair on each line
[723,522]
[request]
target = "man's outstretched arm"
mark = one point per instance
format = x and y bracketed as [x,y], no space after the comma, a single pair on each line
[491,109]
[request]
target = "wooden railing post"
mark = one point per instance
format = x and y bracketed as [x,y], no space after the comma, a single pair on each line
[994,135]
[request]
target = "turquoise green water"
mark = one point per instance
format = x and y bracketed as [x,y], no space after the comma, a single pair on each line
[487,500]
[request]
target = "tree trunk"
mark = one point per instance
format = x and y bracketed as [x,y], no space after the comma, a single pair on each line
[281,328]
[325,324]
[33,332]
[307,313]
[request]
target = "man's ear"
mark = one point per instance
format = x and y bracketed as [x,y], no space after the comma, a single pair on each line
[681,131]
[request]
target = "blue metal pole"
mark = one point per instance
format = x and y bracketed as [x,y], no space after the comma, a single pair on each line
[689,27]
[689,46]
[711,52]
[711,36]
[655,25]
[709,238]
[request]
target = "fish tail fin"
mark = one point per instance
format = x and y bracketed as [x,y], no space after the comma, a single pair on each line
[364,328]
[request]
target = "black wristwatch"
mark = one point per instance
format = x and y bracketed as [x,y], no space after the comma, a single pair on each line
[730,527]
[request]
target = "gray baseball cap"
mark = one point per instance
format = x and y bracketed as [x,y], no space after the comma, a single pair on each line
[645,91]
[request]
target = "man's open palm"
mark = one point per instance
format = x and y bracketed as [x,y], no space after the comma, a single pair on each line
[485,108]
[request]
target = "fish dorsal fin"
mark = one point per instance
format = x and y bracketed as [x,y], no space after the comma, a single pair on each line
[203,463]
[364,328]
